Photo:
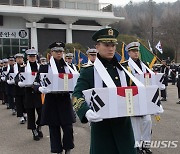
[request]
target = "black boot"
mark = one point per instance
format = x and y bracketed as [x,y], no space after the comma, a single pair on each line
[139,151]
[67,151]
[40,134]
[35,135]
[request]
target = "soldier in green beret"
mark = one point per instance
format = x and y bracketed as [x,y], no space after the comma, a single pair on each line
[108,136]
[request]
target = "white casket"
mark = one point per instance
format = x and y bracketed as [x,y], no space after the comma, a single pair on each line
[151,79]
[27,78]
[59,82]
[11,78]
[123,101]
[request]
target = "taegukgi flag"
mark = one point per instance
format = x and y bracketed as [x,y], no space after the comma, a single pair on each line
[159,47]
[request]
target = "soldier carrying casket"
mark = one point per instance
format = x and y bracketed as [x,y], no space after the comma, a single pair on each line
[113,135]
[57,110]
[32,98]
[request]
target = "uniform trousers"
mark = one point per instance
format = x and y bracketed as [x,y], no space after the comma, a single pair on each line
[11,101]
[67,142]
[31,117]
[19,99]
[178,92]
[163,93]
[142,127]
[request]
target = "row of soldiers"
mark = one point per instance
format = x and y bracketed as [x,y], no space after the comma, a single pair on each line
[108,136]
[24,100]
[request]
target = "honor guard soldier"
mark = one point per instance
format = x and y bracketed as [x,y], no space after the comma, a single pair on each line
[142,125]
[92,54]
[178,83]
[113,135]
[20,91]
[164,69]
[32,98]
[173,69]
[1,83]
[4,83]
[68,59]
[57,110]
[43,61]
[10,87]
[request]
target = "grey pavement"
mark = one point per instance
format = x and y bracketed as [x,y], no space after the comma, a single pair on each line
[16,139]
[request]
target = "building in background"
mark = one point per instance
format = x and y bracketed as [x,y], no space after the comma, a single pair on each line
[37,23]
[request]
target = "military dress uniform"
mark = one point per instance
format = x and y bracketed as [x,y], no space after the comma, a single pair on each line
[165,70]
[1,82]
[20,93]
[33,102]
[57,110]
[178,83]
[142,125]
[11,89]
[109,136]
[173,69]
[5,85]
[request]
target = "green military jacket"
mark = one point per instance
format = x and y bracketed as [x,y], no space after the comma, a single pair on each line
[110,136]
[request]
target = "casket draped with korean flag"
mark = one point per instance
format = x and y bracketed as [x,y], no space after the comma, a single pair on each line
[59,82]
[151,79]
[112,101]
[11,78]
[27,78]
[122,101]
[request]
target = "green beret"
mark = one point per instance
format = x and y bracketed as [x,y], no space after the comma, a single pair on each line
[106,35]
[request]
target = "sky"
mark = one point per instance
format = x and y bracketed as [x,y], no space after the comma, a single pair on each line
[124,2]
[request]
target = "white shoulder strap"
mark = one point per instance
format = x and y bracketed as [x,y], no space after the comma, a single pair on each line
[103,74]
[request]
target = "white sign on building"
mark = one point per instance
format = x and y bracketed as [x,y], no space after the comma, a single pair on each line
[14,33]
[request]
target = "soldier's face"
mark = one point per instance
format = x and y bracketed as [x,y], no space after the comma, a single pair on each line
[19,60]
[106,50]
[92,57]
[11,62]
[134,54]
[31,58]
[57,54]
[69,60]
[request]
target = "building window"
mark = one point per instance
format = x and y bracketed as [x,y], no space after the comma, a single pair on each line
[35,3]
[82,6]
[55,3]
[70,5]
[45,3]
[18,2]
[6,2]
[15,42]
[6,41]
[24,42]
[12,46]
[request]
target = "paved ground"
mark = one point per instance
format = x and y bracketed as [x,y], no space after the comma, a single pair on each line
[16,139]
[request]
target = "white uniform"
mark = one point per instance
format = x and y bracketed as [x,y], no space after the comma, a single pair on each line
[142,125]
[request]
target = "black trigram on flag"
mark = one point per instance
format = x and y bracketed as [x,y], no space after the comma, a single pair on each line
[10,77]
[96,102]
[46,81]
[162,79]
[155,99]
[21,77]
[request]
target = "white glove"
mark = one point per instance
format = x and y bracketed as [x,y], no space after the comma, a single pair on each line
[162,87]
[92,116]
[9,82]
[21,84]
[3,78]
[161,110]
[44,90]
